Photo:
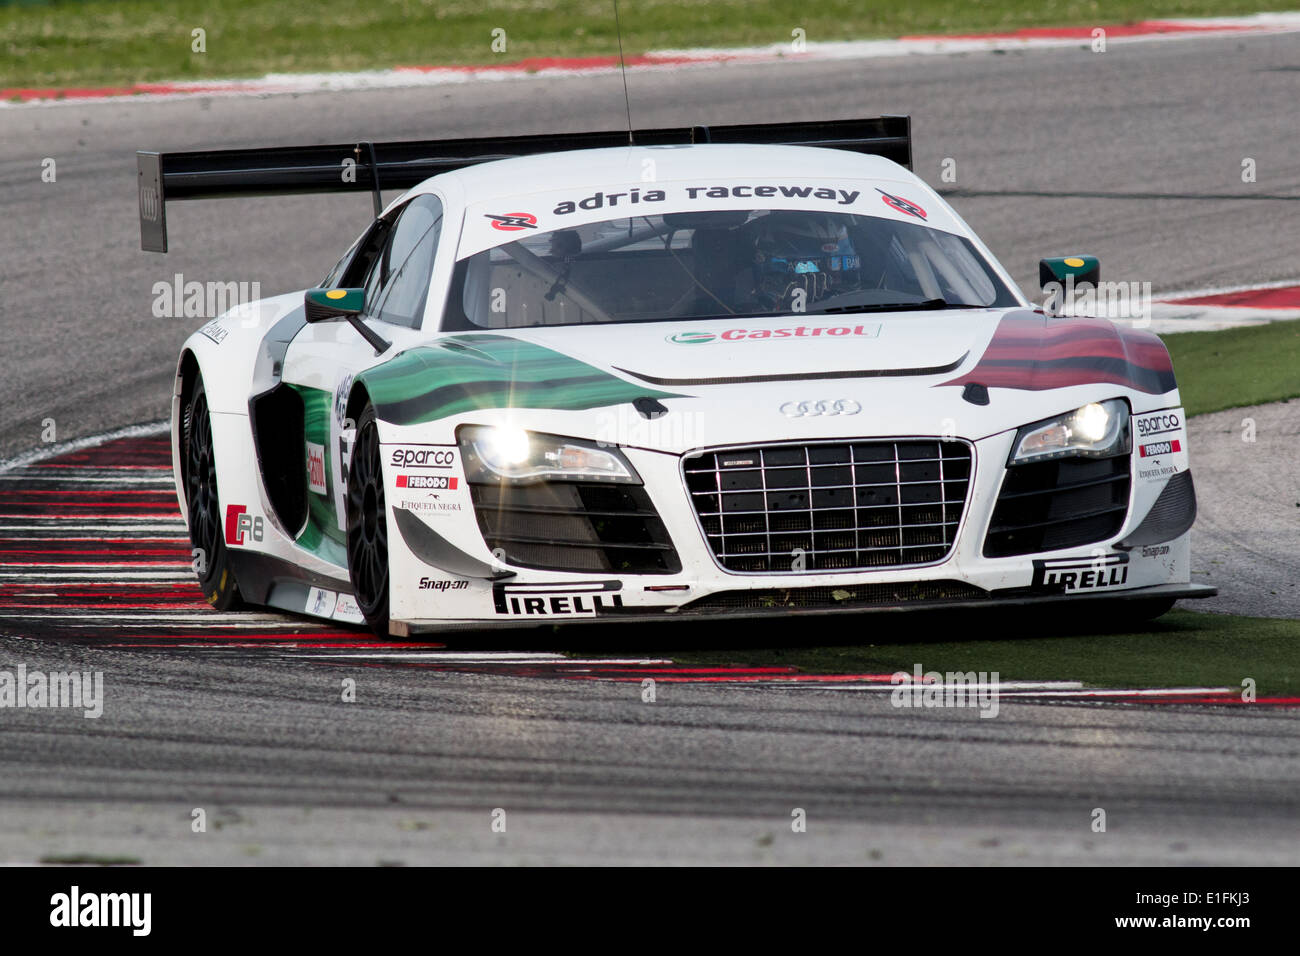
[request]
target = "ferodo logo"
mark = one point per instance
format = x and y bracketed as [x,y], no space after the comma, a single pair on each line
[1160,448]
[431,482]
[798,332]
[240,525]
[423,457]
[513,221]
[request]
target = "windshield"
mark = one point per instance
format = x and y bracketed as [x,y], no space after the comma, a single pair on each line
[711,264]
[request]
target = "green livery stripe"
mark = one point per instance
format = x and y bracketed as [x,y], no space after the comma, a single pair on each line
[463,373]
[321,536]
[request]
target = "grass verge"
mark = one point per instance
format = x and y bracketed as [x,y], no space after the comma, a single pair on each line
[101,42]
[1180,649]
[1236,367]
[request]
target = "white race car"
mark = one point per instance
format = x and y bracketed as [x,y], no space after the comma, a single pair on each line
[732,371]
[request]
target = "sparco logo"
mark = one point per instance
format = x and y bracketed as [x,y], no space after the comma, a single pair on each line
[423,457]
[1156,424]
[835,406]
[513,221]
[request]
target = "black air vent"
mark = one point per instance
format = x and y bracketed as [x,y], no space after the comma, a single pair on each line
[1064,503]
[575,526]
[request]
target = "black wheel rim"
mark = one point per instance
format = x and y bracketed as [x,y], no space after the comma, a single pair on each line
[367,526]
[201,485]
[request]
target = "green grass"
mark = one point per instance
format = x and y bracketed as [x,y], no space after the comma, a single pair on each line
[1235,367]
[1181,649]
[62,42]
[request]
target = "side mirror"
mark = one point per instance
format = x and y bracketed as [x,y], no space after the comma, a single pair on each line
[1060,277]
[323,304]
[1081,268]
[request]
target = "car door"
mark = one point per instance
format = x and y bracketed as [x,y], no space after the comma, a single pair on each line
[393,262]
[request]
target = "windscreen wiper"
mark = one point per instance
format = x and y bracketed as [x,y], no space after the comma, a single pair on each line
[924,304]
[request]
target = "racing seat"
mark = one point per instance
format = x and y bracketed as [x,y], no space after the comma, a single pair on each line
[718,259]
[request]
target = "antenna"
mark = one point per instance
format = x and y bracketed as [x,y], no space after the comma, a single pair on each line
[622,68]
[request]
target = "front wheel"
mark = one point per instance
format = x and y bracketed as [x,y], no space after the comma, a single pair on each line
[368,526]
[202,504]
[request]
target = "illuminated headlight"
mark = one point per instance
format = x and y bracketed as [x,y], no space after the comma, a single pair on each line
[1097,430]
[493,453]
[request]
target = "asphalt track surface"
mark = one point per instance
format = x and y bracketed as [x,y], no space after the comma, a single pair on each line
[1134,155]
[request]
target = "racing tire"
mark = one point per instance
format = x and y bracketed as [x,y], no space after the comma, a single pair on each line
[368,525]
[211,562]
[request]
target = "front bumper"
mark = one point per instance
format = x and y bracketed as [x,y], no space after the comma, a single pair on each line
[1008,600]
[487,593]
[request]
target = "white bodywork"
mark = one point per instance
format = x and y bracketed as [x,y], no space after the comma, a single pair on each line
[328,356]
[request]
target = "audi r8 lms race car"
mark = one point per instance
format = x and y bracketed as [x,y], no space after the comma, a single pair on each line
[745,370]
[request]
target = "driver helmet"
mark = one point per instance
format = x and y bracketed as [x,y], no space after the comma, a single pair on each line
[803,256]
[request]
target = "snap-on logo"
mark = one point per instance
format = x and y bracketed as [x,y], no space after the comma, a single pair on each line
[423,457]
[513,221]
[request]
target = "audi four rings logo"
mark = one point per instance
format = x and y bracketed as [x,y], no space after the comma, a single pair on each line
[149,203]
[837,406]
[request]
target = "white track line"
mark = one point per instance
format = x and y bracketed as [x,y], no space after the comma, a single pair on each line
[148,430]
[505,657]
[24,477]
[207,626]
[68,578]
[914,688]
[671,60]
[1144,692]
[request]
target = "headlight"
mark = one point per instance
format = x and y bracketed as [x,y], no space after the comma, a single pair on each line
[493,453]
[1097,430]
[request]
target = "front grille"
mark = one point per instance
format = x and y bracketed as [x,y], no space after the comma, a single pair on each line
[574,526]
[1064,503]
[842,506]
[856,595]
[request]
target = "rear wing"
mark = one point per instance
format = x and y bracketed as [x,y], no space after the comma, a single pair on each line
[371,167]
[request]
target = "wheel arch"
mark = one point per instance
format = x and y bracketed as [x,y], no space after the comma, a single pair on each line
[358,398]
[187,373]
